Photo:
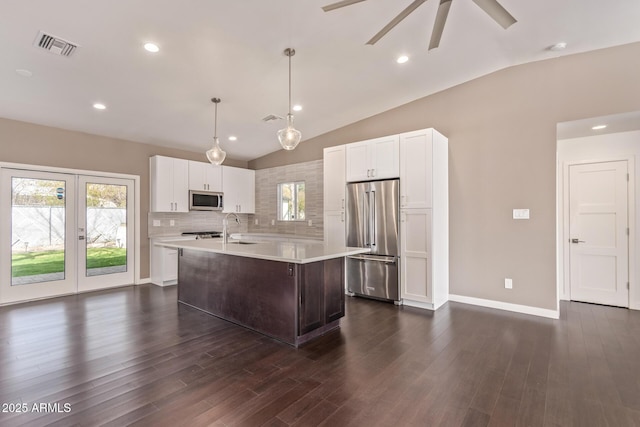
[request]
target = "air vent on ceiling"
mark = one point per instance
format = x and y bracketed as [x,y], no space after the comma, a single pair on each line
[55,44]
[271,117]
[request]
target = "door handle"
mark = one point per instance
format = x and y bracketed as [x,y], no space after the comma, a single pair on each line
[577,241]
[80,237]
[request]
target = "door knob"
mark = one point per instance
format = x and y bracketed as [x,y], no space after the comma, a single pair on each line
[577,241]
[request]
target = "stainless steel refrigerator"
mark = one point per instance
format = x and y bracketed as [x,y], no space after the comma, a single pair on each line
[372,222]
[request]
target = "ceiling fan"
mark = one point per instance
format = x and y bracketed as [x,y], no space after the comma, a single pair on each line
[491,8]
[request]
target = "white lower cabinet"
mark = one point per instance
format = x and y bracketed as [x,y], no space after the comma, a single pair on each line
[334,232]
[163,262]
[415,263]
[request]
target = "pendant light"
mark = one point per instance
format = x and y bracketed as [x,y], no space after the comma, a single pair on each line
[215,154]
[289,137]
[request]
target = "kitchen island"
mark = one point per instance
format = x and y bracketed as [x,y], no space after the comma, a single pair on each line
[290,291]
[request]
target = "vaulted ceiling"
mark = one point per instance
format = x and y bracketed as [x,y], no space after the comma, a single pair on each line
[234,50]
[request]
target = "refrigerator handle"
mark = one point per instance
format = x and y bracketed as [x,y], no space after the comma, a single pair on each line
[365,218]
[372,208]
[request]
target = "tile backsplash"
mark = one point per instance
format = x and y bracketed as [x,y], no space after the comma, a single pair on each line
[192,221]
[267,181]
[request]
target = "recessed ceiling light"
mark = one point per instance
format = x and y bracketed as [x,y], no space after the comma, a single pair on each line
[402,59]
[233,138]
[99,106]
[24,73]
[599,127]
[151,47]
[558,46]
[297,108]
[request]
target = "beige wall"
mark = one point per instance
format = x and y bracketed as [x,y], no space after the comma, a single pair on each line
[502,151]
[45,146]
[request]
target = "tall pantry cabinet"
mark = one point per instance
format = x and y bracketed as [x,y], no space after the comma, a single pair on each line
[424,219]
[334,167]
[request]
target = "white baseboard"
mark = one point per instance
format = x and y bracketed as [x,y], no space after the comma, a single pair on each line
[525,309]
[417,304]
[143,281]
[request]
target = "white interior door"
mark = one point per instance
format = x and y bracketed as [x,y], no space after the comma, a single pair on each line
[37,235]
[598,225]
[105,232]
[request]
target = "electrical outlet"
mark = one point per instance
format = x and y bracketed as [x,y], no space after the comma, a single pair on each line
[508,283]
[172,223]
[310,223]
[156,223]
[273,222]
[255,221]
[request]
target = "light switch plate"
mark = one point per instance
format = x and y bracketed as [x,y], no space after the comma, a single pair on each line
[521,214]
[172,223]
[156,223]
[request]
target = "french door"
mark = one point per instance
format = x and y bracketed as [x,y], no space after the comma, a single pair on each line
[63,233]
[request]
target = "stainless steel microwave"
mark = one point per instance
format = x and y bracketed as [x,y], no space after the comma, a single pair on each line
[205,201]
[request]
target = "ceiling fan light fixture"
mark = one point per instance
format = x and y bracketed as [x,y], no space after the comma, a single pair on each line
[289,137]
[558,47]
[215,154]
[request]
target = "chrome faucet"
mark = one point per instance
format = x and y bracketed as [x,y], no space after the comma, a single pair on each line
[225,225]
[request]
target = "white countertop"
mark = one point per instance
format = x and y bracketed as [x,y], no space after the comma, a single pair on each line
[297,253]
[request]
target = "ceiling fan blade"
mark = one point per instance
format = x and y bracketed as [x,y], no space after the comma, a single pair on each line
[395,21]
[340,4]
[438,26]
[497,12]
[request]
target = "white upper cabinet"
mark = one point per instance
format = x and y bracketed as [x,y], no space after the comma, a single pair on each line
[205,176]
[334,195]
[373,159]
[239,188]
[169,184]
[416,173]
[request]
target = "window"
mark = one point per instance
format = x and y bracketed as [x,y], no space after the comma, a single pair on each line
[291,200]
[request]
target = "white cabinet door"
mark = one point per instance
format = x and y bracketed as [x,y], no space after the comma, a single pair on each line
[181,185]
[416,158]
[357,162]
[384,156]
[415,255]
[169,184]
[170,265]
[334,178]
[239,190]
[205,176]
[373,159]
[334,232]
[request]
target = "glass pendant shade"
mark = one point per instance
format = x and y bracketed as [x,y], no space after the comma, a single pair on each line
[215,154]
[289,137]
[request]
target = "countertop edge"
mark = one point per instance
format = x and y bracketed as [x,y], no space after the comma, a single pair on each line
[226,250]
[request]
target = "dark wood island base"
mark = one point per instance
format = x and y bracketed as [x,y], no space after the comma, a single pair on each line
[290,302]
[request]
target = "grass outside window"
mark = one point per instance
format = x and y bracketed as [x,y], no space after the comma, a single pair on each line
[45,262]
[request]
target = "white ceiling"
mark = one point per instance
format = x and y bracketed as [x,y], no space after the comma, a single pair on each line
[233,50]
[625,122]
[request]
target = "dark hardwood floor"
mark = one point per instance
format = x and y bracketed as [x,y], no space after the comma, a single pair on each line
[134,356]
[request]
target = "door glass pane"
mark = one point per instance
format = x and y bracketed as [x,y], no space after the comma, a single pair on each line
[106,234]
[38,214]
